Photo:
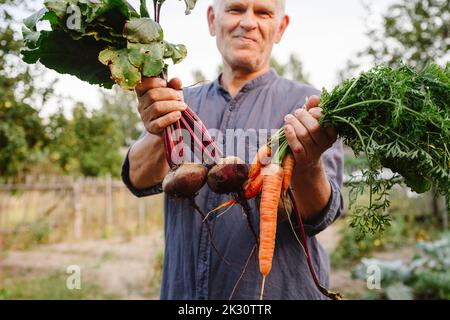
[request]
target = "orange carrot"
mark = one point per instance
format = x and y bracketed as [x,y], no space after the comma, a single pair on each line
[270,196]
[253,187]
[259,161]
[288,167]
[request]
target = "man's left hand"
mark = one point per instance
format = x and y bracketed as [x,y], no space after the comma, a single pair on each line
[307,139]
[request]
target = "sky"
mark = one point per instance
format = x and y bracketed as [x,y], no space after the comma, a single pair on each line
[324,34]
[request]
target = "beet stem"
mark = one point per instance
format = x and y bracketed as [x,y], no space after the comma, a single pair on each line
[167,149]
[324,291]
[198,147]
[189,129]
[206,137]
[178,154]
[179,137]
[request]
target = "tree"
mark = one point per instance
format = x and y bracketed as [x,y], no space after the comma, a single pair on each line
[88,144]
[292,69]
[121,106]
[198,76]
[22,134]
[413,31]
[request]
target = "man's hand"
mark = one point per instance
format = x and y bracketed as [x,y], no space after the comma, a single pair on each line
[160,103]
[307,139]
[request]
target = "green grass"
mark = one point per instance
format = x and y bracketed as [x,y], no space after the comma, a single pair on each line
[48,287]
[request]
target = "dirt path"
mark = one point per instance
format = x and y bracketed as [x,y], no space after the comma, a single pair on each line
[130,268]
[126,268]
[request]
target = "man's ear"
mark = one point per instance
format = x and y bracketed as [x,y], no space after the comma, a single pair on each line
[211,21]
[283,25]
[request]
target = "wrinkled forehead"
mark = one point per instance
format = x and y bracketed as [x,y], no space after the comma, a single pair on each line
[281,3]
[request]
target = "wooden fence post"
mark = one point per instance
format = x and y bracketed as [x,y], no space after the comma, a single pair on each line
[78,214]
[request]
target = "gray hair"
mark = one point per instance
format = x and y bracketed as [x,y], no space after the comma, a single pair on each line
[281,2]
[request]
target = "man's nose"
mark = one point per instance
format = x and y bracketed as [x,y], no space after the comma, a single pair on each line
[248,21]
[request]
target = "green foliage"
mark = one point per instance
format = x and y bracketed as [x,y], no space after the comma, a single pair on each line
[427,276]
[21,130]
[292,70]
[88,37]
[48,287]
[87,144]
[351,248]
[400,119]
[198,76]
[122,107]
[352,163]
[26,235]
[67,56]
[431,285]
[21,136]
[415,31]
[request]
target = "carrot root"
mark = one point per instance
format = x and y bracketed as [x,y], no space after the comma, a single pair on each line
[262,288]
[270,196]
[253,187]
[260,160]
[223,205]
[288,168]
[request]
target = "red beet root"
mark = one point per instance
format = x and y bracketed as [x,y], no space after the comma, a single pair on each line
[185,181]
[227,176]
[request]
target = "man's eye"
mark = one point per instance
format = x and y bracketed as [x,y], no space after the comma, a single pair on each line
[235,10]
[264,13]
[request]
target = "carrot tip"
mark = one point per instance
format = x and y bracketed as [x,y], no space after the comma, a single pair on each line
[262,288]
[223,205]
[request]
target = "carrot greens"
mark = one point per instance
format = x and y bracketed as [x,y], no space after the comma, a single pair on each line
[400,119]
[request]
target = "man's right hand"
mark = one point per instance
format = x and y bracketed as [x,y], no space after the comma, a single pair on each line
[160,103]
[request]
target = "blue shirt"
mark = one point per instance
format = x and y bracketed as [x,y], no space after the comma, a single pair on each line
[192,269]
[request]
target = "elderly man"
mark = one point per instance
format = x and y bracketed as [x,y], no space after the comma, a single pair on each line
[248,95]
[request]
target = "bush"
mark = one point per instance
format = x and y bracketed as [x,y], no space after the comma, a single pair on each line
[427,276]
[402,231]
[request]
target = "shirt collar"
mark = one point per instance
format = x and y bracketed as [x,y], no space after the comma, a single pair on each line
[263,79]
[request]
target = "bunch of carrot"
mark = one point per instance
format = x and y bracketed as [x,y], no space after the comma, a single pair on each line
[270,175]
[276,180]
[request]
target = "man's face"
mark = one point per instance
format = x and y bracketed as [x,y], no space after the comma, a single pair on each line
[246,30]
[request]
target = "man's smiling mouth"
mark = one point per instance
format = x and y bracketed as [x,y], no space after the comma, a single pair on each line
[245,38]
